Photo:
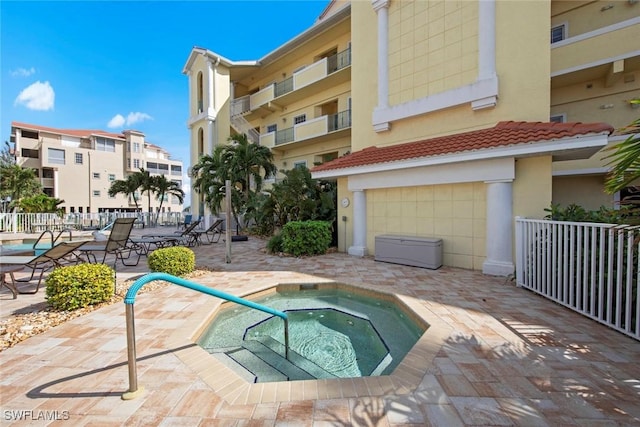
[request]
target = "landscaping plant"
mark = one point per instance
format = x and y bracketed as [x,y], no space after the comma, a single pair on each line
[176,260]
[77,286]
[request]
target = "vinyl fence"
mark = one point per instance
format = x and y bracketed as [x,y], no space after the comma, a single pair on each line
[591,268]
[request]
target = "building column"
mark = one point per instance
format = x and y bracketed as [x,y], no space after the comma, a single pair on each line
[359,247]
[211,101]
[381,8]
[499,257]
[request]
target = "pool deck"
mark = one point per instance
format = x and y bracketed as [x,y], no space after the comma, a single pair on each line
[498,355]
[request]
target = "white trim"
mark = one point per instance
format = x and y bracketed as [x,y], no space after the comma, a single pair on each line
[595,63]
[586,171]
[480,90]
[530,149]
[595,33]
[491,170]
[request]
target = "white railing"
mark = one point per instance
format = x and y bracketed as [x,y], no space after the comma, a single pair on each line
[241,125]
[38,222]
[593,269]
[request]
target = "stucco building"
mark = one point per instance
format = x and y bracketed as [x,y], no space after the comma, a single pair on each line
[436,118]
[79,165]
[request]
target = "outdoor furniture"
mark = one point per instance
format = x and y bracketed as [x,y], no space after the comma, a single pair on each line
[10,269]
[212,233]
[184,237]
[186,222]
[118,244]
[56,256]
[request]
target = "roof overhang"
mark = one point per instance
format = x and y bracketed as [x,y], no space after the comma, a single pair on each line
[573,148]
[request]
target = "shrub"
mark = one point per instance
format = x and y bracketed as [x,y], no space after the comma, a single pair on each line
[77,286]
[306,237]
[274,245]
[176,260]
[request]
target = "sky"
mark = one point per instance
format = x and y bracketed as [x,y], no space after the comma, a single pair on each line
[116,65]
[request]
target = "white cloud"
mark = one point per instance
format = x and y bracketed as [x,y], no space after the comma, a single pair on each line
[22,72]
[38,96]
[137,117]
[119,121]
[116,122]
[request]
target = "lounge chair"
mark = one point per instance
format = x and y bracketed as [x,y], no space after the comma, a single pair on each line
[60,254]
[187,221]
[212,234]
[117,244]
[182,237]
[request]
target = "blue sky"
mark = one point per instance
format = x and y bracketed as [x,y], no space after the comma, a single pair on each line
[115,65]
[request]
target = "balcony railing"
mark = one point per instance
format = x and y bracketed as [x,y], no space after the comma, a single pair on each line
[285,135]
[240,105]
[338,61]
[339,120]
[284,86]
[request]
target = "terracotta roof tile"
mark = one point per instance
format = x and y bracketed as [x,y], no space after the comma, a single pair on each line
[81,133]
[501,135]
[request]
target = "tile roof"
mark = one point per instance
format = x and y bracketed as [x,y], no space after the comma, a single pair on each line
[80,133]
[502,134]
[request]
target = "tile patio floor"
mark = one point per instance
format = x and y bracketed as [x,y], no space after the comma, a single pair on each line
[509,358]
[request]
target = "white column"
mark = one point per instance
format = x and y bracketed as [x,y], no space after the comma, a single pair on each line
[499,257]
[381,8]
[359,247]
[211,107]
[211,141]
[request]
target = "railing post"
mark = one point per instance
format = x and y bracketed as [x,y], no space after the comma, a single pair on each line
[519,252]
[134,391]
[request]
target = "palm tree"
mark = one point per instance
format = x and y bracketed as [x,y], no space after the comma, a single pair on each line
[249,162]
[128,187]
[164,187]
[17,182]
[145,183]
[208,178]
[625,158]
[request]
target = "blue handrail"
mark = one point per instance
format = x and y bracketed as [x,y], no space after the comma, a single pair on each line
[130,298]
[135,287]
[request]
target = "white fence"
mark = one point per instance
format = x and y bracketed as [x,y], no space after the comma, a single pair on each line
[38,222]
[591,268]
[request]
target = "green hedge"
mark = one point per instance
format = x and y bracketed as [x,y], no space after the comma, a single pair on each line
[77,286]
[177,260]
[306,237]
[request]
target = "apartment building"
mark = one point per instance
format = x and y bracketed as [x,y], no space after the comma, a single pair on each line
[453,113]
[78,166]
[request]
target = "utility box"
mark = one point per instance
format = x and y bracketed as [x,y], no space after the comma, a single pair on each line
[422,252]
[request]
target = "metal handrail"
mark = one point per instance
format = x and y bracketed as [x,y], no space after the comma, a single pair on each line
[129,300]
[50,233]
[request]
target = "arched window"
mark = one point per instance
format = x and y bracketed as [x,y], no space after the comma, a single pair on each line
[200,142]
[200,93]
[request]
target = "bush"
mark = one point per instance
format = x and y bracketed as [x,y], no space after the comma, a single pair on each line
[306,237]
[77,286]
[274,245]
[176,260]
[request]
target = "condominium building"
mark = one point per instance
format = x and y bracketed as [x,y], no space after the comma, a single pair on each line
[435,118]
[78,166]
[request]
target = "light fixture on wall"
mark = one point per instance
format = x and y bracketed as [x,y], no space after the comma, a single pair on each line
[606,106]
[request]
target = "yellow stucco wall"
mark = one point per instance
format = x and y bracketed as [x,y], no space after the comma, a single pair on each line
[585,16]
[456,213]
[586,191]
[532,188]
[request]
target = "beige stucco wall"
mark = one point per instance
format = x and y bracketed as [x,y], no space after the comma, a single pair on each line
[585,16]
[456,213]
[586,191]
[532,188]
[522,49]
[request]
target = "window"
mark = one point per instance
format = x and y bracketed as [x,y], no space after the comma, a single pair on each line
[30,134]
[105,144]
[48,191]
[558,118]
[136,147]
[96,175]
[96,193]
[112,177]
[36,172]
[56,156]
[272,128]
[300,164]
[79,209]
[136,163]
[558,33]
[32,154]
[72,209]
[78,158]
[176,170]
[128,163]
[47,173]
[299,119]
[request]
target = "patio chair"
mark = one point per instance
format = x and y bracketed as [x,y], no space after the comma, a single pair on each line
[212,234]
[186,222]
[182,237]
[58,255]
[118,244]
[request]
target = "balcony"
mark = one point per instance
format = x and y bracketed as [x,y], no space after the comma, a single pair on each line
[593,47]
[321,75]
[322,128]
